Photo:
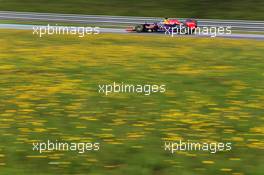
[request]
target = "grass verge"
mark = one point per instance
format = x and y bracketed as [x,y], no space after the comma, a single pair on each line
[49,90]
[232,9]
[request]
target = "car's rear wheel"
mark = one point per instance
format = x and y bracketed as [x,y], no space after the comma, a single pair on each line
[139,28]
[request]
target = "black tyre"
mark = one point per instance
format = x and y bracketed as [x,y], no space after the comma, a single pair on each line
[139,28]
[193,31]
[190,31]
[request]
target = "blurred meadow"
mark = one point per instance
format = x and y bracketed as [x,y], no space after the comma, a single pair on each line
[48,90]
[207,9]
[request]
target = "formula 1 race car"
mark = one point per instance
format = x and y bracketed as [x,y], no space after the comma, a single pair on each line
[170,25]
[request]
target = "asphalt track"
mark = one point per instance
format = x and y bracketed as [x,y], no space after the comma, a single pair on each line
[123,31]
[118,21]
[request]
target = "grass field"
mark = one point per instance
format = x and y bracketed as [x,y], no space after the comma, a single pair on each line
[232,9]
[215,93]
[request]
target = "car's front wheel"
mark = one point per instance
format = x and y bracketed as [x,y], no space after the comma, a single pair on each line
[190,31]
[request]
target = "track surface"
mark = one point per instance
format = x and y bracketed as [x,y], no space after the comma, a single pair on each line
[111,30]
[241,25]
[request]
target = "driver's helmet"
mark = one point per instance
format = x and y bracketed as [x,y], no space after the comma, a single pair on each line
[166,21]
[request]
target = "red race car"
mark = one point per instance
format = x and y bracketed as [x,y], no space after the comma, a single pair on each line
[168,25]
